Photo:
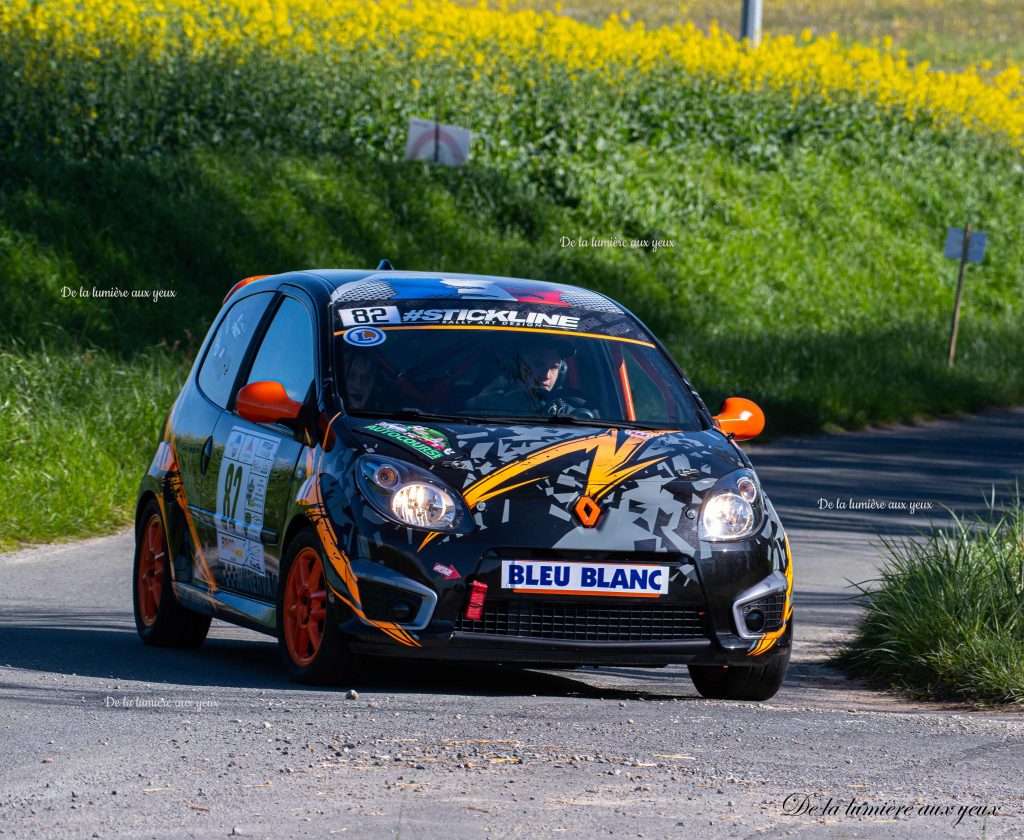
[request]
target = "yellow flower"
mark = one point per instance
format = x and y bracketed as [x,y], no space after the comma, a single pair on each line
[506,42]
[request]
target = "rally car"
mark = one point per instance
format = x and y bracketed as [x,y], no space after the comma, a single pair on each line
[383,463]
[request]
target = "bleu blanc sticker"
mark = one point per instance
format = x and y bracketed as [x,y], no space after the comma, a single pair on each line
[584,578]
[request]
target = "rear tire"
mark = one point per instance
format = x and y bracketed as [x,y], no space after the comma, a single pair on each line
[740,682]
[159,618]
[311,645]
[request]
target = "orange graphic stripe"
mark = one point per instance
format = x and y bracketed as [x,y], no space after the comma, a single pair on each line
[177,487]
[766,642]
[607,469]
[627,391]
[494,327]
[312,496]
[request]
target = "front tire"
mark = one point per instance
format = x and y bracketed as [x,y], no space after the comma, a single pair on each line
[311,645]
[159,618]
[740,682]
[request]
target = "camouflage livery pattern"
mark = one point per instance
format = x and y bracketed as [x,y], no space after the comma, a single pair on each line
[571,492]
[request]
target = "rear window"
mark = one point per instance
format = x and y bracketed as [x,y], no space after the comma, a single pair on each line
[227,350]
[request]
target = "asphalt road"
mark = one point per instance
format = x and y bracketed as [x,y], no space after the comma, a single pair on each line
[101,736]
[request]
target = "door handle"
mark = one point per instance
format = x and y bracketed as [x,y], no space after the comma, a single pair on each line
[204,459]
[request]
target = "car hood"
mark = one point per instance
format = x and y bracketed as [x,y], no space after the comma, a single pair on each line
[644,483]
[459,451]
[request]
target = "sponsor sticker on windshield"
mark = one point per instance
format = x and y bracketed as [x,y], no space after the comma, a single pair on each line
[557,578]
[364,336]
[492,317]
[368,317]
[429,442]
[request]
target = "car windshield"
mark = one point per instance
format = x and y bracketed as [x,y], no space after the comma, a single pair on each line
[558,364]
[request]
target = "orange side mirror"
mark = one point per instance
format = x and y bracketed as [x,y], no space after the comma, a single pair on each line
[742,418]
[266,402]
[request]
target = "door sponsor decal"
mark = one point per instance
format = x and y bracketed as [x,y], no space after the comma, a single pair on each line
[556,578]
[242,496]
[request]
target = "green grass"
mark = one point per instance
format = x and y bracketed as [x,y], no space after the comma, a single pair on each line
[947,617]
[948,33]
[781,287]
[76,433]
[807,272]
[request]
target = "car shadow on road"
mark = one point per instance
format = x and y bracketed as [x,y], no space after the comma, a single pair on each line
[95,645]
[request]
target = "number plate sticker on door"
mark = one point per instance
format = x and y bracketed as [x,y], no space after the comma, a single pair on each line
[554,578]
[242,495]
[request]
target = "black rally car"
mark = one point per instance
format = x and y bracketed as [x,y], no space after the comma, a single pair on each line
[455,466]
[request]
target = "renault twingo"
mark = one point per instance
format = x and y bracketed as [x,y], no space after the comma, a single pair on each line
[459,467]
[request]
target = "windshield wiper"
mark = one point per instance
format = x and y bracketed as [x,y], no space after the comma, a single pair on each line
[419,414]
[409,413]
[403,414]
[588,421]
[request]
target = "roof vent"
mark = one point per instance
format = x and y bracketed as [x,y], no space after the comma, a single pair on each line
[385,265]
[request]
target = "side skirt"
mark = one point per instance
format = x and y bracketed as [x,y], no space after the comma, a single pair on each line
[229,606]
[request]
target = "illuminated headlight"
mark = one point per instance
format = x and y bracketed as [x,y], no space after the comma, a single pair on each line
[727,517]
[409,495]
[423,506]
[732,510]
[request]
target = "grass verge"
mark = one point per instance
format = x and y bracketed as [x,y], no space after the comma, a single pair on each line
[77,430]
[947,617]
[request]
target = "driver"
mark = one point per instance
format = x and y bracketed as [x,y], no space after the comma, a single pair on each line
[360,381]
[531,383]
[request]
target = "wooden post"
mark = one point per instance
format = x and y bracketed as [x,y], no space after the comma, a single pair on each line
[959,296]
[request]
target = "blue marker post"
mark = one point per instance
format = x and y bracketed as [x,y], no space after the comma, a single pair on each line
[969,246]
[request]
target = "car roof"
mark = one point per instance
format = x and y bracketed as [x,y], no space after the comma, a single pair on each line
[392,285]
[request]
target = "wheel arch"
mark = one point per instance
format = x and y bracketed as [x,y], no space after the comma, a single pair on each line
[298,523]
[145,497]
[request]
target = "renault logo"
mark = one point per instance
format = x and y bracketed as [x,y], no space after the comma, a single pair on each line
[587,511]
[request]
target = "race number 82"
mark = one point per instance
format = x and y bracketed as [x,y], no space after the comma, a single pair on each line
[370,315]
[232,485]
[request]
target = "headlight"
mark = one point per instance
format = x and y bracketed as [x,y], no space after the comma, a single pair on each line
[411,496]
[423,506]
[732,509]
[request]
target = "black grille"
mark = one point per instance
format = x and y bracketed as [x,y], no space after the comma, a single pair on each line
[587,622]
[772,607]
[378,599]
[773,611]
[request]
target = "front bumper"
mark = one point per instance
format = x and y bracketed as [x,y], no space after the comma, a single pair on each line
[559,630]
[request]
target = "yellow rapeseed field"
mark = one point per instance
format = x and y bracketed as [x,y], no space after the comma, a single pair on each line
[497,42]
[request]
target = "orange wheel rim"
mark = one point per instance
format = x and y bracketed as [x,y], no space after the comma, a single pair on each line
[150,582]
[305,607]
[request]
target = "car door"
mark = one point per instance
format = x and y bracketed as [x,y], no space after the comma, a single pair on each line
[195,419]
[254,462]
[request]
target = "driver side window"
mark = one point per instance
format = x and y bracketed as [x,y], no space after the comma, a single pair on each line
[286,354]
